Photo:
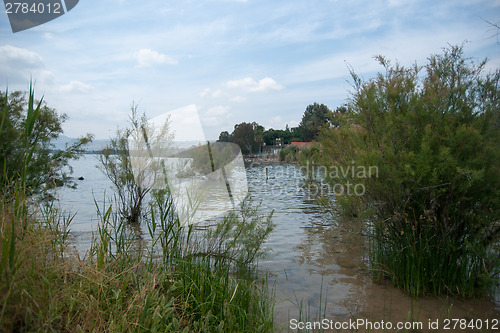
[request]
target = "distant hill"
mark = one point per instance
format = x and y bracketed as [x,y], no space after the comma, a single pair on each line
[96,145]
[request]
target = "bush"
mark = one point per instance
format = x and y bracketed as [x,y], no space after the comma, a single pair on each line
[289,154]
[116,164]
[433,134]
[28,129]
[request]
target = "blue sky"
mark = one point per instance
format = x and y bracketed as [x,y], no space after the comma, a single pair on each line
[236,60]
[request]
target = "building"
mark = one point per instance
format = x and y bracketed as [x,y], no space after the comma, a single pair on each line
[301,145]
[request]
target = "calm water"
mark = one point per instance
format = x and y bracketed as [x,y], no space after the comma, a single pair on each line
[313,258]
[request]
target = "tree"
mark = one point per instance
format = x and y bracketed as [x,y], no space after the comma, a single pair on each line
[224,137]
[258,131]
[27,132]
[433,138]
[270,136]
[244,136]
[315,117]
[496,28]
[296,134]
[249,136]
[337,115]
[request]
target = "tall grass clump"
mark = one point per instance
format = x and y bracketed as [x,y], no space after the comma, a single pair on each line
[433,134]
[172,278]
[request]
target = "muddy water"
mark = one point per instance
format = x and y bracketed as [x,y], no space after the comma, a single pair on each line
[316,264]
[320,271]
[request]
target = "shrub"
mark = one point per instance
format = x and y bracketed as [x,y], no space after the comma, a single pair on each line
[433,133]
[116,164]
[289,154]
[28,129]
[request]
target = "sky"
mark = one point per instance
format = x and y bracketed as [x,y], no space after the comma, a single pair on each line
[235,60]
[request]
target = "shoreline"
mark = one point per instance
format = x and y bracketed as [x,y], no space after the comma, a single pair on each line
[269,158]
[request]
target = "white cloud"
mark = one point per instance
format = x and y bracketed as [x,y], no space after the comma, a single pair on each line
[216,116]
[148,57]
[19,58]
[207,92]
[204,92]
[238,99]
[48,35]
[406,47]
[278,123]
[217,110]
[19,65]
[76,87]
[275,122]
[397,3]
[219,93]
[184,123]
[250,85]
[303,49]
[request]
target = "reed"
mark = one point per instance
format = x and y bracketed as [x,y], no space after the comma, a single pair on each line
[172,279]
[414,256]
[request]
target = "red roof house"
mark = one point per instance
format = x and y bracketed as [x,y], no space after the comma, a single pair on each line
[302,144]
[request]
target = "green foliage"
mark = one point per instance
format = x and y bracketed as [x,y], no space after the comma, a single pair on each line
[179,280]
[208,158]
[304,155]
[316,116]
[116,164]
[27,153]
[285,136]
[252,136]
[241,234]
[289,154]
[258,136]
[224,137]
[244,136]
[433,134]
[248,136]
[336,116]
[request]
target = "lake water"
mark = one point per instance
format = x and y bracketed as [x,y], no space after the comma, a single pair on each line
[316,264]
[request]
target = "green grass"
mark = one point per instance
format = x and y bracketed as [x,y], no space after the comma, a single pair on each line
[420,261]
[176,280]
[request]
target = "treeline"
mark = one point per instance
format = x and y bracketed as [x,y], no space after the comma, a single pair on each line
[251,137]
